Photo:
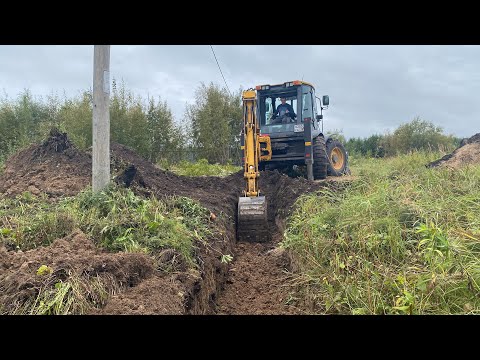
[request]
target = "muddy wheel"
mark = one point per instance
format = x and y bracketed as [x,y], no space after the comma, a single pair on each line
[337,156]
[320,159]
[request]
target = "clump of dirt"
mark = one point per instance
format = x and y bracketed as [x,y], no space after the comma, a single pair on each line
[468,153]
[54,167]
[56,142]
[74,255]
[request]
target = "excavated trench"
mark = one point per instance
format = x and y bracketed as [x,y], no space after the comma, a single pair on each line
[255,282]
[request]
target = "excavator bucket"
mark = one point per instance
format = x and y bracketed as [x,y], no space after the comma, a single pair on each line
[252,223]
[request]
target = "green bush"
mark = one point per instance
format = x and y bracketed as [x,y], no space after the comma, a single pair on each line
[412,136]
[418,135]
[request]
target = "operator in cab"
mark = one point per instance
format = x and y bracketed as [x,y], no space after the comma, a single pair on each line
[282,111]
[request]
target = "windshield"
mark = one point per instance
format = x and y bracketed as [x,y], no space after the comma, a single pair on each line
[279,111]
[274,112]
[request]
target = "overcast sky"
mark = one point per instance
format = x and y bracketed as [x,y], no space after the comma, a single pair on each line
[372,89]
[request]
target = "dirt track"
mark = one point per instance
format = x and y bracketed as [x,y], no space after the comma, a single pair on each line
[251,284]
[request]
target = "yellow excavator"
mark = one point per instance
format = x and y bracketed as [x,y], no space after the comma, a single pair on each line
[252,220]
[273,139]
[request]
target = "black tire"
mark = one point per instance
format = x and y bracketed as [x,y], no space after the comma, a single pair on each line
[320,159]
[337,158]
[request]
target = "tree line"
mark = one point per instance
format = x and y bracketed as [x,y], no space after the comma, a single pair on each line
[418,134]
[209,130]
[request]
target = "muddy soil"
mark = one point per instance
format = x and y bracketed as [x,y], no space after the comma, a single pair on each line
[154,296]
[258,282]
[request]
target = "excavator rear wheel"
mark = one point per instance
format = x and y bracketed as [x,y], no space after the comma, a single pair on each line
[320,159]
[337,156]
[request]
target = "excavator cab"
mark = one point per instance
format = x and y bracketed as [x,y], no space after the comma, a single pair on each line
[299,140]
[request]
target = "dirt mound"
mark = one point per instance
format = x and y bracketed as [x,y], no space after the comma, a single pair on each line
[74,255]
[57,142]
[468,153]
[55,167]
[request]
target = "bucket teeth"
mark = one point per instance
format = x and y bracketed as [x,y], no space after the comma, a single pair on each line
[252,222]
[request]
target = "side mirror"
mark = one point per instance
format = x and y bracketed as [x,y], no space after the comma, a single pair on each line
[319,117]
[325,100]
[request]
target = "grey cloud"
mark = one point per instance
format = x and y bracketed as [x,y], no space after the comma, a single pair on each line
[372,88]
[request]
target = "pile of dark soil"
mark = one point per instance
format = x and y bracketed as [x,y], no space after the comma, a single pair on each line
[468,153]
[55,167]
[219,195]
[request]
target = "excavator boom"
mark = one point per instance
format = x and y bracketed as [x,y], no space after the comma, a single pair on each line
[252,221]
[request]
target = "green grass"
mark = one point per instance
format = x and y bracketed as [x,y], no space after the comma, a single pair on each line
[402,239]
[29,221]
[116,219]
[201,168]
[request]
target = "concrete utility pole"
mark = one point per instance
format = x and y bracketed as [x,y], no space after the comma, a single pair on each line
[101,118]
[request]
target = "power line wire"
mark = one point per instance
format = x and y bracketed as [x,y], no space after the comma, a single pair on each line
[220,70]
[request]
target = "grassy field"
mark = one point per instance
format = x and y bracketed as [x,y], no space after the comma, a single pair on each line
[402,239]
[201,168]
